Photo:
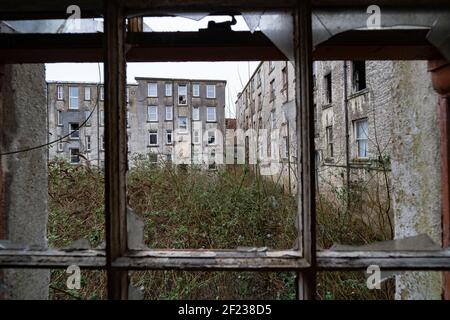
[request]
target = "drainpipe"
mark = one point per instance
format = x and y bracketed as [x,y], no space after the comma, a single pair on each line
[440,75]
[347,136]
[288,139]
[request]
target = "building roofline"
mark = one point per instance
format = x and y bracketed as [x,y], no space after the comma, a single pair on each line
[179,79]
[249,80]
[82,82]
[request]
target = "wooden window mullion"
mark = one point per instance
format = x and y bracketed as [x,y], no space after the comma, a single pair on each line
[115,148]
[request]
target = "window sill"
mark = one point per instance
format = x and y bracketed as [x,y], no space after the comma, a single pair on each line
[152,121]
[361,160]
[166,120]
[358,93]
[211,121]
[329,160]
[326,106]
[152,145]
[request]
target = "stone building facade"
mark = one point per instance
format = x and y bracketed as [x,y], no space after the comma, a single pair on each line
[179,120]
[375,126]
[266,107]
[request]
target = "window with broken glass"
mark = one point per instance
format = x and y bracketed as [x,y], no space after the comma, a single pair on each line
[303,260]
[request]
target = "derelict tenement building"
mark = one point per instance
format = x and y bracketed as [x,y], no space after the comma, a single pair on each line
[168,119]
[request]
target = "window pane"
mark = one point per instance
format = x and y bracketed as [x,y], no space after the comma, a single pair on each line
[211,116]
[73,97]
[87,93]
[182,122]
[196,90]
[152,89]
[152,113]
[60,90]
[362,129]
[210,91]
[168,89]
[169,114]
[195,114]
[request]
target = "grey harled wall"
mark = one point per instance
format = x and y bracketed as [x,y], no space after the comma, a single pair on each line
[416,170]
[24,124]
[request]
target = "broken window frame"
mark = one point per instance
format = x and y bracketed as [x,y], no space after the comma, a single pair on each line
[74,130]
[76,155]
[359,81]
[153,133]
[304,259]
[182,94]
[328,85]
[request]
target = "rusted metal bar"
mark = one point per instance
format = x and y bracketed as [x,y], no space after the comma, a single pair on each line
[306,282]
[116,148]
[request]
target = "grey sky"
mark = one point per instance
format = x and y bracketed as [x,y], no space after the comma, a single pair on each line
[235,73]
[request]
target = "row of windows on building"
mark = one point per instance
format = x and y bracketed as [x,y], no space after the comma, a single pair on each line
[152,116]
[152,92]
[74,95]
[153,140]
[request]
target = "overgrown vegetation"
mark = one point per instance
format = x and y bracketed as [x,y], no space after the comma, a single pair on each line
[185,207]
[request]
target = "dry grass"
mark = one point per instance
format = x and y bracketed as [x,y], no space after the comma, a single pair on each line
[189,208]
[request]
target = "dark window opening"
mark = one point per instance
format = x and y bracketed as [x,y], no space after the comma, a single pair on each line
[359,76]
[328,89]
